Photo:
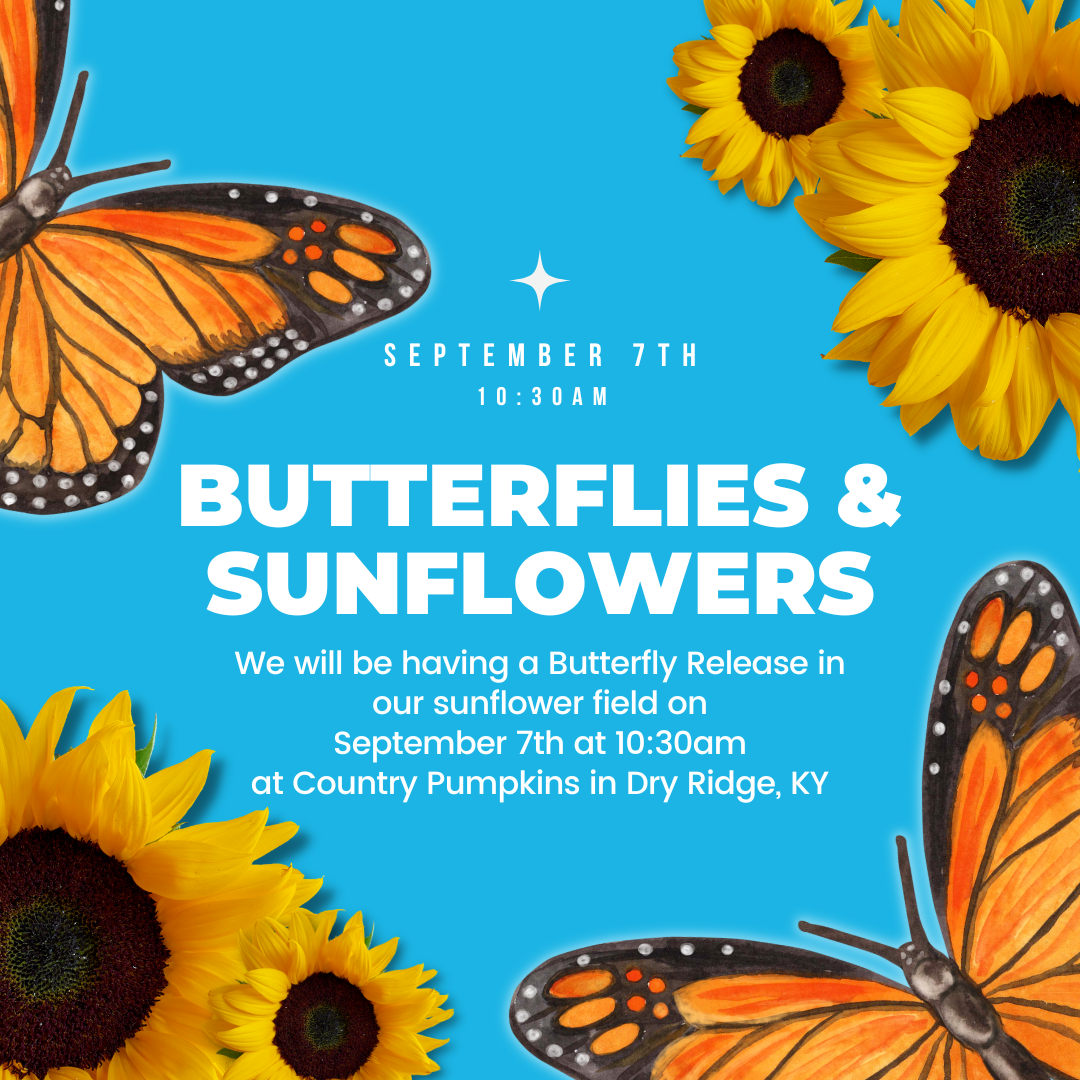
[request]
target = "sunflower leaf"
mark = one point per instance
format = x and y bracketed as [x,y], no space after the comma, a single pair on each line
[142,757]
[695,109]
[370,937]
[234,1054]
[877,115]
[853,261]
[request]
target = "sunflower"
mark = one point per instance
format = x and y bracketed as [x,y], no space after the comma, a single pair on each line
[312,1006]
[969,195]
[114,922]
[774,72]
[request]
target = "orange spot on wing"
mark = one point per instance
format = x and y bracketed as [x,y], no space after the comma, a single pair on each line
[1004,711]
[618,1038]
[216,237]
[1015,638]
[313,251]
[296,233]
[999,685]
[318,226]
[328,287]
[290,256]
[636,1003]
[978,703]
[972,678]
[633,975]
[376,243]
[581,984]
[987,627]
[587,1012]
[660,1010]
[357,266]
[657,985]
[1038,668]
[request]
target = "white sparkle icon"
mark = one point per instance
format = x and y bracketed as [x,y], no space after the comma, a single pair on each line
[539,280]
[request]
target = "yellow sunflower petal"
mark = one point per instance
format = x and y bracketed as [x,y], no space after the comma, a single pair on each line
[942,120]
[1002,361]
[850,177]
[80,779]
[892,354]
[125,814]
[961,13]
[993,91]
[890,150]
[173,791]
[948,344]
[740,151]
[184,869]
[756,16]
[900,65]
[915,417]
[844,14]
[718,119]
[896,227]
[14,774]
[1008,21]
[1043,16]
[942,44]
[155,1056]
[1032,388]
[892,286]
[44,735]
[800,162]
[737,41]
[859,345]
[255,1065]
[817,209]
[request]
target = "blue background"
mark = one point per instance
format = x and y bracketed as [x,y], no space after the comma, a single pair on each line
[497,131]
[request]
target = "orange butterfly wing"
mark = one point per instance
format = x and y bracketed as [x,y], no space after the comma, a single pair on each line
[1002,805]
[33,36]
[219,287]
[688,1009]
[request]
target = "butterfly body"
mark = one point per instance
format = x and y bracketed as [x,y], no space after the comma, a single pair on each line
[1001,818]
[219,286]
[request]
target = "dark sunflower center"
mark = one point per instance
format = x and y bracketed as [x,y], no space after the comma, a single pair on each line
[51,953]
[791,84]
[325,1028]
[82,959]
[1044,206]
[1012,208]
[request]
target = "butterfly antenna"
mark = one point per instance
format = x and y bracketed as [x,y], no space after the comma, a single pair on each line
[915,927]
[60,157]
[886,952]
[77,183]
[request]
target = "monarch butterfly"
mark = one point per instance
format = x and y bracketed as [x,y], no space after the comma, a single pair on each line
[219,286]
[1001,829]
